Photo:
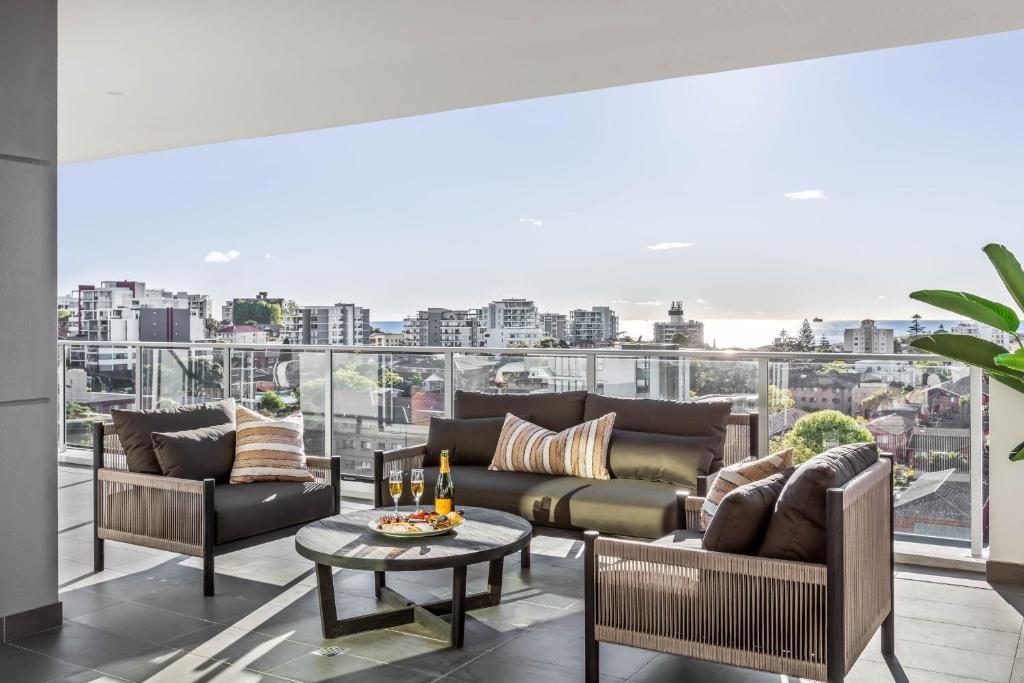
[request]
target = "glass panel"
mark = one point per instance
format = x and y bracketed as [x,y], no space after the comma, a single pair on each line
[277,382]
[383,401]
[498,373]
[917,410]
[96,379]
[174,377]
[679,379]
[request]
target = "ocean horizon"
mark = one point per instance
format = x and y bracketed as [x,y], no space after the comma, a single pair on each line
[748,333]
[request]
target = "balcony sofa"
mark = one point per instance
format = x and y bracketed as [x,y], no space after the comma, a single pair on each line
[643,499]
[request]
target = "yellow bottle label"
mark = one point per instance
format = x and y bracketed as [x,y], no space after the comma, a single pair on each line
[442,506]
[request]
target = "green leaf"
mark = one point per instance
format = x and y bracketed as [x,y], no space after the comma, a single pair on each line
[1009,270]
[1013,361]
[973,351]
[984,311]
[1018,453]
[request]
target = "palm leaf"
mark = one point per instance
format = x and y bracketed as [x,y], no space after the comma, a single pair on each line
[978,308]
[1009,270]
[973,351]
[1012,361]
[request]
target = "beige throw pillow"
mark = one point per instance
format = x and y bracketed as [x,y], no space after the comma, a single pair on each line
[579,451]
[737,475]
[268,448]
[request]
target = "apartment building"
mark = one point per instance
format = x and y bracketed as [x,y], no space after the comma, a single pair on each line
[986,332]
[387,339]
[554,324]
[511,323]
[242,334]
[690,331]
[126,310]
[597,327]
[341,324]
[443,327]
[868,338]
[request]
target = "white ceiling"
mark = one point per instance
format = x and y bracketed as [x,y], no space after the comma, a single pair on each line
[192,72]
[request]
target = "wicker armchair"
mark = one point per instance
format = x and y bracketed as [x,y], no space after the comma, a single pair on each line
[799,619]
[167,513]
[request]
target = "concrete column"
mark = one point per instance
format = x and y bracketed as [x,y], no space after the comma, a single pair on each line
[28,287]
[1006,484]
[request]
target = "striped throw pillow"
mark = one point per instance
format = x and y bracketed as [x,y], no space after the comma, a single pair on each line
[580,451]
[268,448]
[734,476]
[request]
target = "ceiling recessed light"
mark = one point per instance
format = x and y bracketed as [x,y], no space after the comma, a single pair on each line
[115,93]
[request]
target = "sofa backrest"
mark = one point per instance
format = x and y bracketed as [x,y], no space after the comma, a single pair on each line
[551,411]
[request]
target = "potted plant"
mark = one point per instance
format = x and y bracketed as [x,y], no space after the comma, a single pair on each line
[1001,364]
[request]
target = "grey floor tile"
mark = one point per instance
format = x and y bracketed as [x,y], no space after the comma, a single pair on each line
[344,668]
[142,665]
[189,600]
[496,667]
[948,660]
[953,635]
[245,648]
[78,602]
[566,649]
[82,645]
[869,671]
[421,654]
[89,676]
[1002,619]
[671,669]
[25,666]
[951,593]
[141,622]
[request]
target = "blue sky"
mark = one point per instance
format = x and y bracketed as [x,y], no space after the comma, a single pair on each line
[908,161]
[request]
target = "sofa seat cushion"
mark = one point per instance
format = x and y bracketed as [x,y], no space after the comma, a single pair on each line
[245,510]
[666,458]
[135,428]
[642,509]
[797,528]
[551,411]
[709,418]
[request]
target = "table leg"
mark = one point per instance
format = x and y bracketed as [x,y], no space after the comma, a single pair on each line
[458,605]
[378,583]
[494,573]
[325,590]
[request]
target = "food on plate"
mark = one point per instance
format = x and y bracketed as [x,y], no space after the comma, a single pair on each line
[419,522]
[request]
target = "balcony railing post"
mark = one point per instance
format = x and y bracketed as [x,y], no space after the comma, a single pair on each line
[977,474]
[137,352]
[62,383]
[329,407]
[225,374]
[763,411]
[449,383]
[591,359]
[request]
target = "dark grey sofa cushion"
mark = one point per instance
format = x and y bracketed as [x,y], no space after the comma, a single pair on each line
[551,411]
[135,428]
[661,457]
[245,510]
[204,453]
[470,441]
[739,524]
[797,527]
[643,509]
[665,417]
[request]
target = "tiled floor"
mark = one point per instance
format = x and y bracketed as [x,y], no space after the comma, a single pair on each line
[145,619]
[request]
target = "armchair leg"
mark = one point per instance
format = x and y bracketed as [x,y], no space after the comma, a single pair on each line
[97,554]
[889,634]
[524,558]
[592,662]
[208,573]
[209,535]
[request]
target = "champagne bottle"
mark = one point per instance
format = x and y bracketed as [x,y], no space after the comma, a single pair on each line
[444,490]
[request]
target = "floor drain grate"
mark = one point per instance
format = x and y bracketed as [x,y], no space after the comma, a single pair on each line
[332,651]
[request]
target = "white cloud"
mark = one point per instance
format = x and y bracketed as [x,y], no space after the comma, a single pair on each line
[268,256]
[619,301]
[536,222]
[883,297]
[222,256]
[657,302]
[661,246]
[805,194]
[701,301]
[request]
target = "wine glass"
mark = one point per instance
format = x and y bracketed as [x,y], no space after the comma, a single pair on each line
[395,486]
[416,486]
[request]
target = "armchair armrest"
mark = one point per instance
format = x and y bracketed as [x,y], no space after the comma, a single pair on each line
[704,483]
[150,510]
[405,458]
[327,471]
[691,513]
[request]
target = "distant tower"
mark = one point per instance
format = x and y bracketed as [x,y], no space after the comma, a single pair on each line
[675,313]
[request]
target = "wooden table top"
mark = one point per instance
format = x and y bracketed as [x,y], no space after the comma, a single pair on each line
[347,541]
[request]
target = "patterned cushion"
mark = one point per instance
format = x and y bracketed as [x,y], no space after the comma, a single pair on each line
[737,475]
[579,451]
[268,448]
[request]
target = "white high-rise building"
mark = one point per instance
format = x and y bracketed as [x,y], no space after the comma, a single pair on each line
[341,324]
[597,327]
[986,332]
[443,327]
[512,323]
[127,310]
[868,339]
[555,325]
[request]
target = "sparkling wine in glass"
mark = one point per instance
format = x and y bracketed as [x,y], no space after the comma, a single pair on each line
[416,486]
[395,486]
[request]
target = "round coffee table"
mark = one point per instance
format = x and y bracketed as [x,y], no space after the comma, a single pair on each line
[348,542]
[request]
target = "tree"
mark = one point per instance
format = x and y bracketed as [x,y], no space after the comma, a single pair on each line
[717,377]
[836,367]
[256,312]
[211,327]
[784,342]
[779,400]
[347,378]
[824,345]
[681,338]
[63,314]
[552,343]
[272,404]
[916,329]
[805,339]
[74,410]
[817,432]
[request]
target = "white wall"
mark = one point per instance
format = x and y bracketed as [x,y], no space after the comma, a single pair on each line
[1006,479]
[28,288]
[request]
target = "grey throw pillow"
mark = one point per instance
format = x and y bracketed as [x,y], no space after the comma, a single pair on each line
[135,428]
[739,524]
[204,453]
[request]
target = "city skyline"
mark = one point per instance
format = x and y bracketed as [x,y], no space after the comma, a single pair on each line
[724,189]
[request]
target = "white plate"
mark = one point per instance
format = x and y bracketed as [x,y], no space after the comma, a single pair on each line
[427,531]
